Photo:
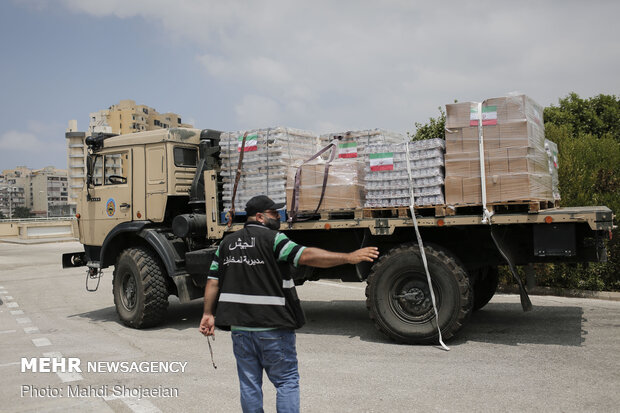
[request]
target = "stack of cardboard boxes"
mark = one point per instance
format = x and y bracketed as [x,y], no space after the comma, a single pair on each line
[516,163]
[344,188]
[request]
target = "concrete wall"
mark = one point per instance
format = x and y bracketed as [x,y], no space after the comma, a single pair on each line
[40,229]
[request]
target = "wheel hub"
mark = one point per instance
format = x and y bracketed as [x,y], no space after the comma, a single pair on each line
[129,292]
[411,299]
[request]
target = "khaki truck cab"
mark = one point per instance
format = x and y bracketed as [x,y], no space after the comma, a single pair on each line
[135,186]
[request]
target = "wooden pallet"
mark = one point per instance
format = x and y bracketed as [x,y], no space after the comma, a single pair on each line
[390,212]
[330,214]
[531,207]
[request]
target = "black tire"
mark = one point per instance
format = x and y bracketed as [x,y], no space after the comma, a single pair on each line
[139,288]
[485,285]
[411,318]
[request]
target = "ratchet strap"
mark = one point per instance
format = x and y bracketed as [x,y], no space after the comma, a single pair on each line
[230,215]
[526,303]
[295,198]
[486,214]
[421,246]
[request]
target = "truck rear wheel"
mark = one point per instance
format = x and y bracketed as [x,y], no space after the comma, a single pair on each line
[399,301]
[139,287]
[487,279]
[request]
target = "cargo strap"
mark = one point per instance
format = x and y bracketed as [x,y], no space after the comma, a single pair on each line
[294,208]
[421,246]
[526,304]
[486,214]
[230,215]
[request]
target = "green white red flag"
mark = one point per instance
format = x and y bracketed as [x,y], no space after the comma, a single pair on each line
[251,143]
[347,150]
[381,161]
[489,116]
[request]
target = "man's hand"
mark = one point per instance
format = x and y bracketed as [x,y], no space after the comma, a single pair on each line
[363,254]
[207,325]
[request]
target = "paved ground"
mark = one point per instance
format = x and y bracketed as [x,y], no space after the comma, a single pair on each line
[563,356]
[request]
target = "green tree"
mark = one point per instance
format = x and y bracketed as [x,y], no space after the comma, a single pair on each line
[598,116]
[2,215]
[22,212]
[587,132]
[433,129]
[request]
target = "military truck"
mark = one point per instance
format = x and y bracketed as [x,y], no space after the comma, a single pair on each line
[151,208]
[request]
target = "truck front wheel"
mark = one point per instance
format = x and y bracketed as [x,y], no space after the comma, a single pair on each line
[139,287]
[398,297]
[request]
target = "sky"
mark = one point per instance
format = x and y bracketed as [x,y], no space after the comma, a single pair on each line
[322,66]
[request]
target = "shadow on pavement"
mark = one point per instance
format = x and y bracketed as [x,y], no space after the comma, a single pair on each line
[506,323]
[497,323]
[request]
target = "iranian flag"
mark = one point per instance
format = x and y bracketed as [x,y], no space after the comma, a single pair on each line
[489,116]
[251,143]
[347,150]
[382,161]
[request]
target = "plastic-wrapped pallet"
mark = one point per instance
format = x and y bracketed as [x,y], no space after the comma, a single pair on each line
[344,189]
[516,165]
[268,154]
[387,178]
[353,144]
[552,154]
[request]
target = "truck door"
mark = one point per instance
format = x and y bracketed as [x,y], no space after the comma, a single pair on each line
[110,201]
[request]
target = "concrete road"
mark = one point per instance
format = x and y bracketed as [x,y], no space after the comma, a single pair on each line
[563,356]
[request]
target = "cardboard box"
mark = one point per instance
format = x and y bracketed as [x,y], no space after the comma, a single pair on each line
[472,190]
[344,188]
[497,161]
[527,160]
[454,140]
[526,187]
[457,115]
[454,190]
[457,164]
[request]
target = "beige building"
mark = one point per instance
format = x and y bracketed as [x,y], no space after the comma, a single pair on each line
[48,192]
[127,117]
[76,161]
[12,192]
[43,191]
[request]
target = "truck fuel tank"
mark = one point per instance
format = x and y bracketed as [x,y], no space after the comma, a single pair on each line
[189,225]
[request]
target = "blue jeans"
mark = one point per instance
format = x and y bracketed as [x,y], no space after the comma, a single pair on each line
[274,351]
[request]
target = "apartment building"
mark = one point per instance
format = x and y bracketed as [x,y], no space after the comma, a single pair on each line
[128,117]
[43,191]
[47,194]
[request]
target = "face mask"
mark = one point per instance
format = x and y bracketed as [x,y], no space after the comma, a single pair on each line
[272,223]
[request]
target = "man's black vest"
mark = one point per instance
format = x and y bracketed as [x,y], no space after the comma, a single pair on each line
[255,289]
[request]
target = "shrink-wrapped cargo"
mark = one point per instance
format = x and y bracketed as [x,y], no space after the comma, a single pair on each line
[267,155]
[354,144]
[387,180]
[344,188]
[516,165]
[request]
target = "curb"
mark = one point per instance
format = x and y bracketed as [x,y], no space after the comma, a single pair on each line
[562,292]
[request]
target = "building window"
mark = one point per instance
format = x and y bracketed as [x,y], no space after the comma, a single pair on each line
[145,110]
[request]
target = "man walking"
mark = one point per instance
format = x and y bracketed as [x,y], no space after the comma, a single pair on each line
[258,301]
